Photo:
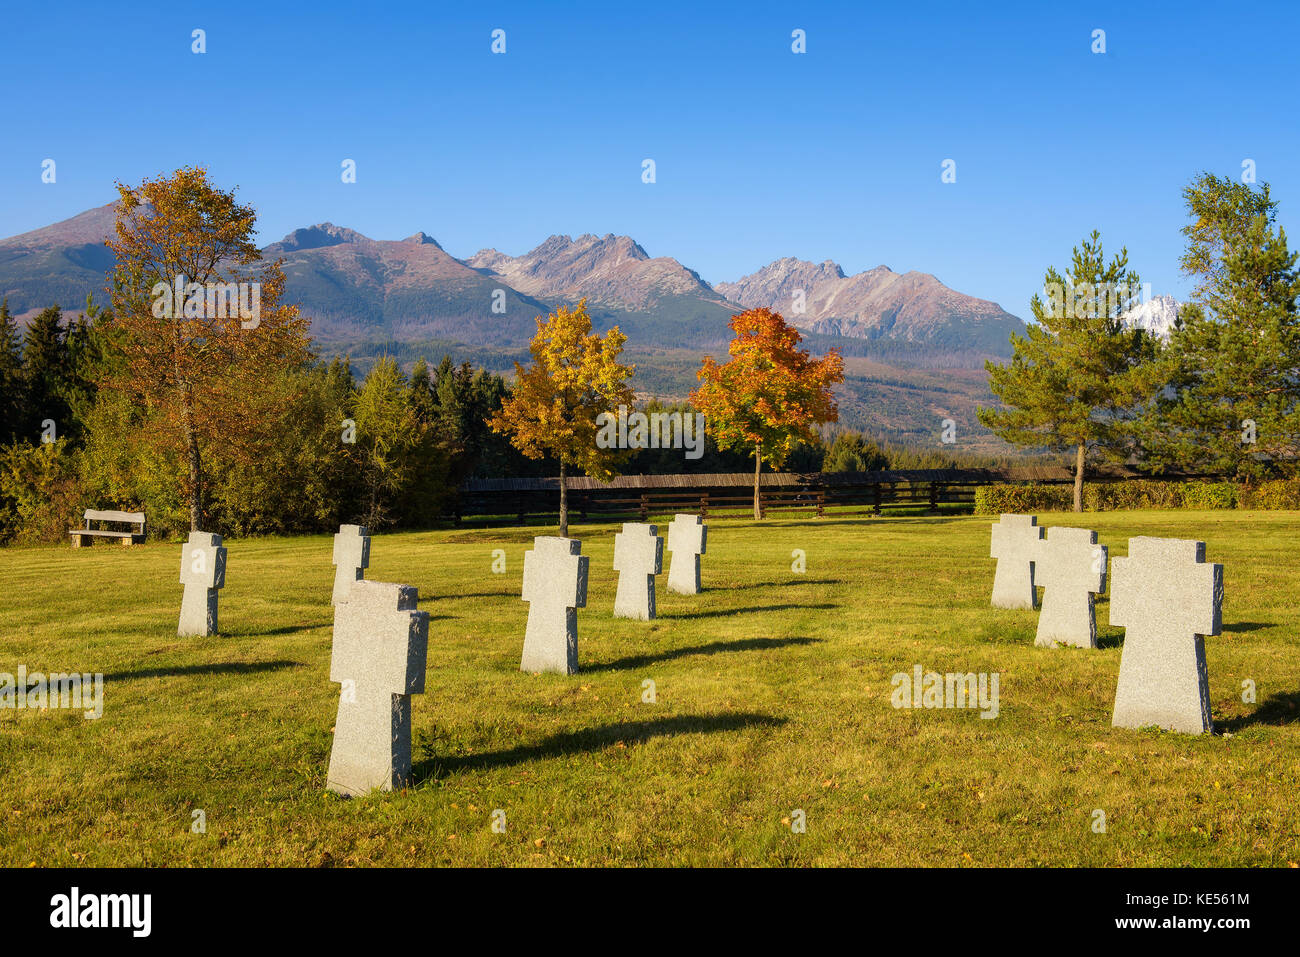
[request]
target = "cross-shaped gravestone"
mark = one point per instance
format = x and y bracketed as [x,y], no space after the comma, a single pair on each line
[1167,599]
[352,556]
[687,535]
[1015,545]
[1071,567]
[638,558]
[381,644]
[555,586]
[203,571]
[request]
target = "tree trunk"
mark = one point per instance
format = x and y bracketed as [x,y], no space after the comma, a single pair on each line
[758,465]
[564,505]
[196,486]
[1078,477]
[196,467]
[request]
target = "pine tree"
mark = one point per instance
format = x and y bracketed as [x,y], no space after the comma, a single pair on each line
[13,392]
[1235,402]
[387,430]
[1080,378]
[45,373]
[852,452]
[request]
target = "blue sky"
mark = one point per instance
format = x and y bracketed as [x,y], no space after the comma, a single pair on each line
[760,152]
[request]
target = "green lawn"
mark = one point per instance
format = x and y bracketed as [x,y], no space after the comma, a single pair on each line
[773,696]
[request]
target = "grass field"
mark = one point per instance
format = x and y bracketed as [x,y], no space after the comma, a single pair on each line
[773,695]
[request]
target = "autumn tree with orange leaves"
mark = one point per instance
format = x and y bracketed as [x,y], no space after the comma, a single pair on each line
[197,360]
[770,395]
[554,405]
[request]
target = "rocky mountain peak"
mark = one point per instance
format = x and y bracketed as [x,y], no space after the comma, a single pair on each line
[320,236]
[422,239]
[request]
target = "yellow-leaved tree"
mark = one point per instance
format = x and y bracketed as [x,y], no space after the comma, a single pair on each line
[555,403]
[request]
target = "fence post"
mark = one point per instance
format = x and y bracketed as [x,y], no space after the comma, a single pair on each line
[704,506]
[645,506]
[876,498]
[821,502]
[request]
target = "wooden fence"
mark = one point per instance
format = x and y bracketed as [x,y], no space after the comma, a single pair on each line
[640,496]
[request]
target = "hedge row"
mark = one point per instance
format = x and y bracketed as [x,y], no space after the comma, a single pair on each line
[1138,494]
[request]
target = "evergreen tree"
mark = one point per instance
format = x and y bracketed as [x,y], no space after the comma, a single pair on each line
[1080,378]
[1235,358]
[45,374]
[851,452]
[13,391]
[386,424]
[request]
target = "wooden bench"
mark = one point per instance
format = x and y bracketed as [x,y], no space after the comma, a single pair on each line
[87,535]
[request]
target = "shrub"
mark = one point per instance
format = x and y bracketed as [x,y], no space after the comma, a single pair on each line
[1136,494]
[1278,494]
[1132,494]
[997,499]
[40,492]
[1205,495]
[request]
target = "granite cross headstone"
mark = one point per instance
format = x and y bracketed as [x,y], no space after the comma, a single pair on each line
[1015,545]
[352,558]
[203,571]
[638,558]
[1071,567]
[380,648]
[1167,599]
[687,538]
[555,586]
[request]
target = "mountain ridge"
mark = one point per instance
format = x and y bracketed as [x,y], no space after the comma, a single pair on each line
[354,286]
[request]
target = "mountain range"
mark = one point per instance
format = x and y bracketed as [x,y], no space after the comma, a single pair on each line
[411,297]
[357,288]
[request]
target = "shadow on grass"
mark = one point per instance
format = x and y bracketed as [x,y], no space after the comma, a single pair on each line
[1278,709]
[226,668]
[786,584]
[823,523]
[712,648]
[470,594]
[592,739]
[728,612]
[286,630]
[1243,626]
[1115,640]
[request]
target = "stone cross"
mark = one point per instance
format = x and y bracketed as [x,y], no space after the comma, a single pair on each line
[1167,599]
[381,643]
[687,536]
[555,586]
[203,571]
[1015,545]
[352,556]
[638,558]
[1071,567]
